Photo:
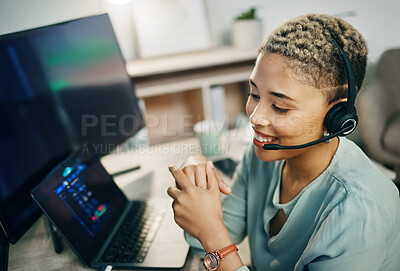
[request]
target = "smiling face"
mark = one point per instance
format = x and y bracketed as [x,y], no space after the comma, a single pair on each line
[282,110]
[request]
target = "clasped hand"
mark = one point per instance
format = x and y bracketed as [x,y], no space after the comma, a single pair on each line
[197,200]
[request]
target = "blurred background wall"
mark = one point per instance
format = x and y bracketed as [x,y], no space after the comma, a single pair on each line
[378,21]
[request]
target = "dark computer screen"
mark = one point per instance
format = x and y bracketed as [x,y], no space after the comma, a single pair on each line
[3,251]
[61,86]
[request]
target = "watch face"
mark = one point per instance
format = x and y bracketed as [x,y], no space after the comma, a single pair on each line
[210,261]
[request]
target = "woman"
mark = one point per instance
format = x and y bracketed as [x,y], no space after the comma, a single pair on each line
[323,207]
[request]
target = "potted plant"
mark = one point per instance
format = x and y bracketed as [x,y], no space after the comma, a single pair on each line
[247,29]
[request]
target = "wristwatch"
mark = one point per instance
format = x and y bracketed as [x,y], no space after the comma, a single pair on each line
[212,260]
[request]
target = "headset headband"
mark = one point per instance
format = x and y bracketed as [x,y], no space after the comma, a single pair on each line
[351,84]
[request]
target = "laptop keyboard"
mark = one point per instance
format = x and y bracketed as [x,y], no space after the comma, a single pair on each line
[134,238]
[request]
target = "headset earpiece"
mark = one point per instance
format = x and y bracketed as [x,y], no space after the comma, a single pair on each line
[337,118]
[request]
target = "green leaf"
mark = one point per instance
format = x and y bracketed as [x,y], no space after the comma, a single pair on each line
[249,14]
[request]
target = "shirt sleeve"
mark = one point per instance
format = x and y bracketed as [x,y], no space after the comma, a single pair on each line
[243,268]
[234,209]
[235,204]
[359,242]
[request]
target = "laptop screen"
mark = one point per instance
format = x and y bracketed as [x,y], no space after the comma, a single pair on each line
[83,201]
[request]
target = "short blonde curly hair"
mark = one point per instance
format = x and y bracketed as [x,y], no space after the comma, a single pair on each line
[311,54]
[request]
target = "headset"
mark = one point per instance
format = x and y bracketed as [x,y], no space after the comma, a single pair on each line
[341,119]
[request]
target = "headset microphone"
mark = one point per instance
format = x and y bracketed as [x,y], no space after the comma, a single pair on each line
[312,143]
[341,119]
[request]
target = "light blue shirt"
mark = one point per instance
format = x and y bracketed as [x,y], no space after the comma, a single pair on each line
[348,218]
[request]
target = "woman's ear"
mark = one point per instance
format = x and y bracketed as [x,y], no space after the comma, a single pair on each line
[335,103]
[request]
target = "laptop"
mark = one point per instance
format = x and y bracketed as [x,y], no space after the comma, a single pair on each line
[101,225]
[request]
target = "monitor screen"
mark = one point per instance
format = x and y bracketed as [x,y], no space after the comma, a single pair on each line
[3,251]
[61,86]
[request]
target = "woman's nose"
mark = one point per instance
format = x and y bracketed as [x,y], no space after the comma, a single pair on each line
[259,117]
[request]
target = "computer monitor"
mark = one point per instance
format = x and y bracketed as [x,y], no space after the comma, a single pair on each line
[3,251]
[61,86]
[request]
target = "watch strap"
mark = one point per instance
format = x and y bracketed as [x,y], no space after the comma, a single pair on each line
[222,253]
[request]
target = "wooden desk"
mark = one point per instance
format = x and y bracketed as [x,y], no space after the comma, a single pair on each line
[35,250]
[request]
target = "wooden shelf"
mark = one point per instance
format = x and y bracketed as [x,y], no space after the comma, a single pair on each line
[181,85]
[192,80]
[189,61]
